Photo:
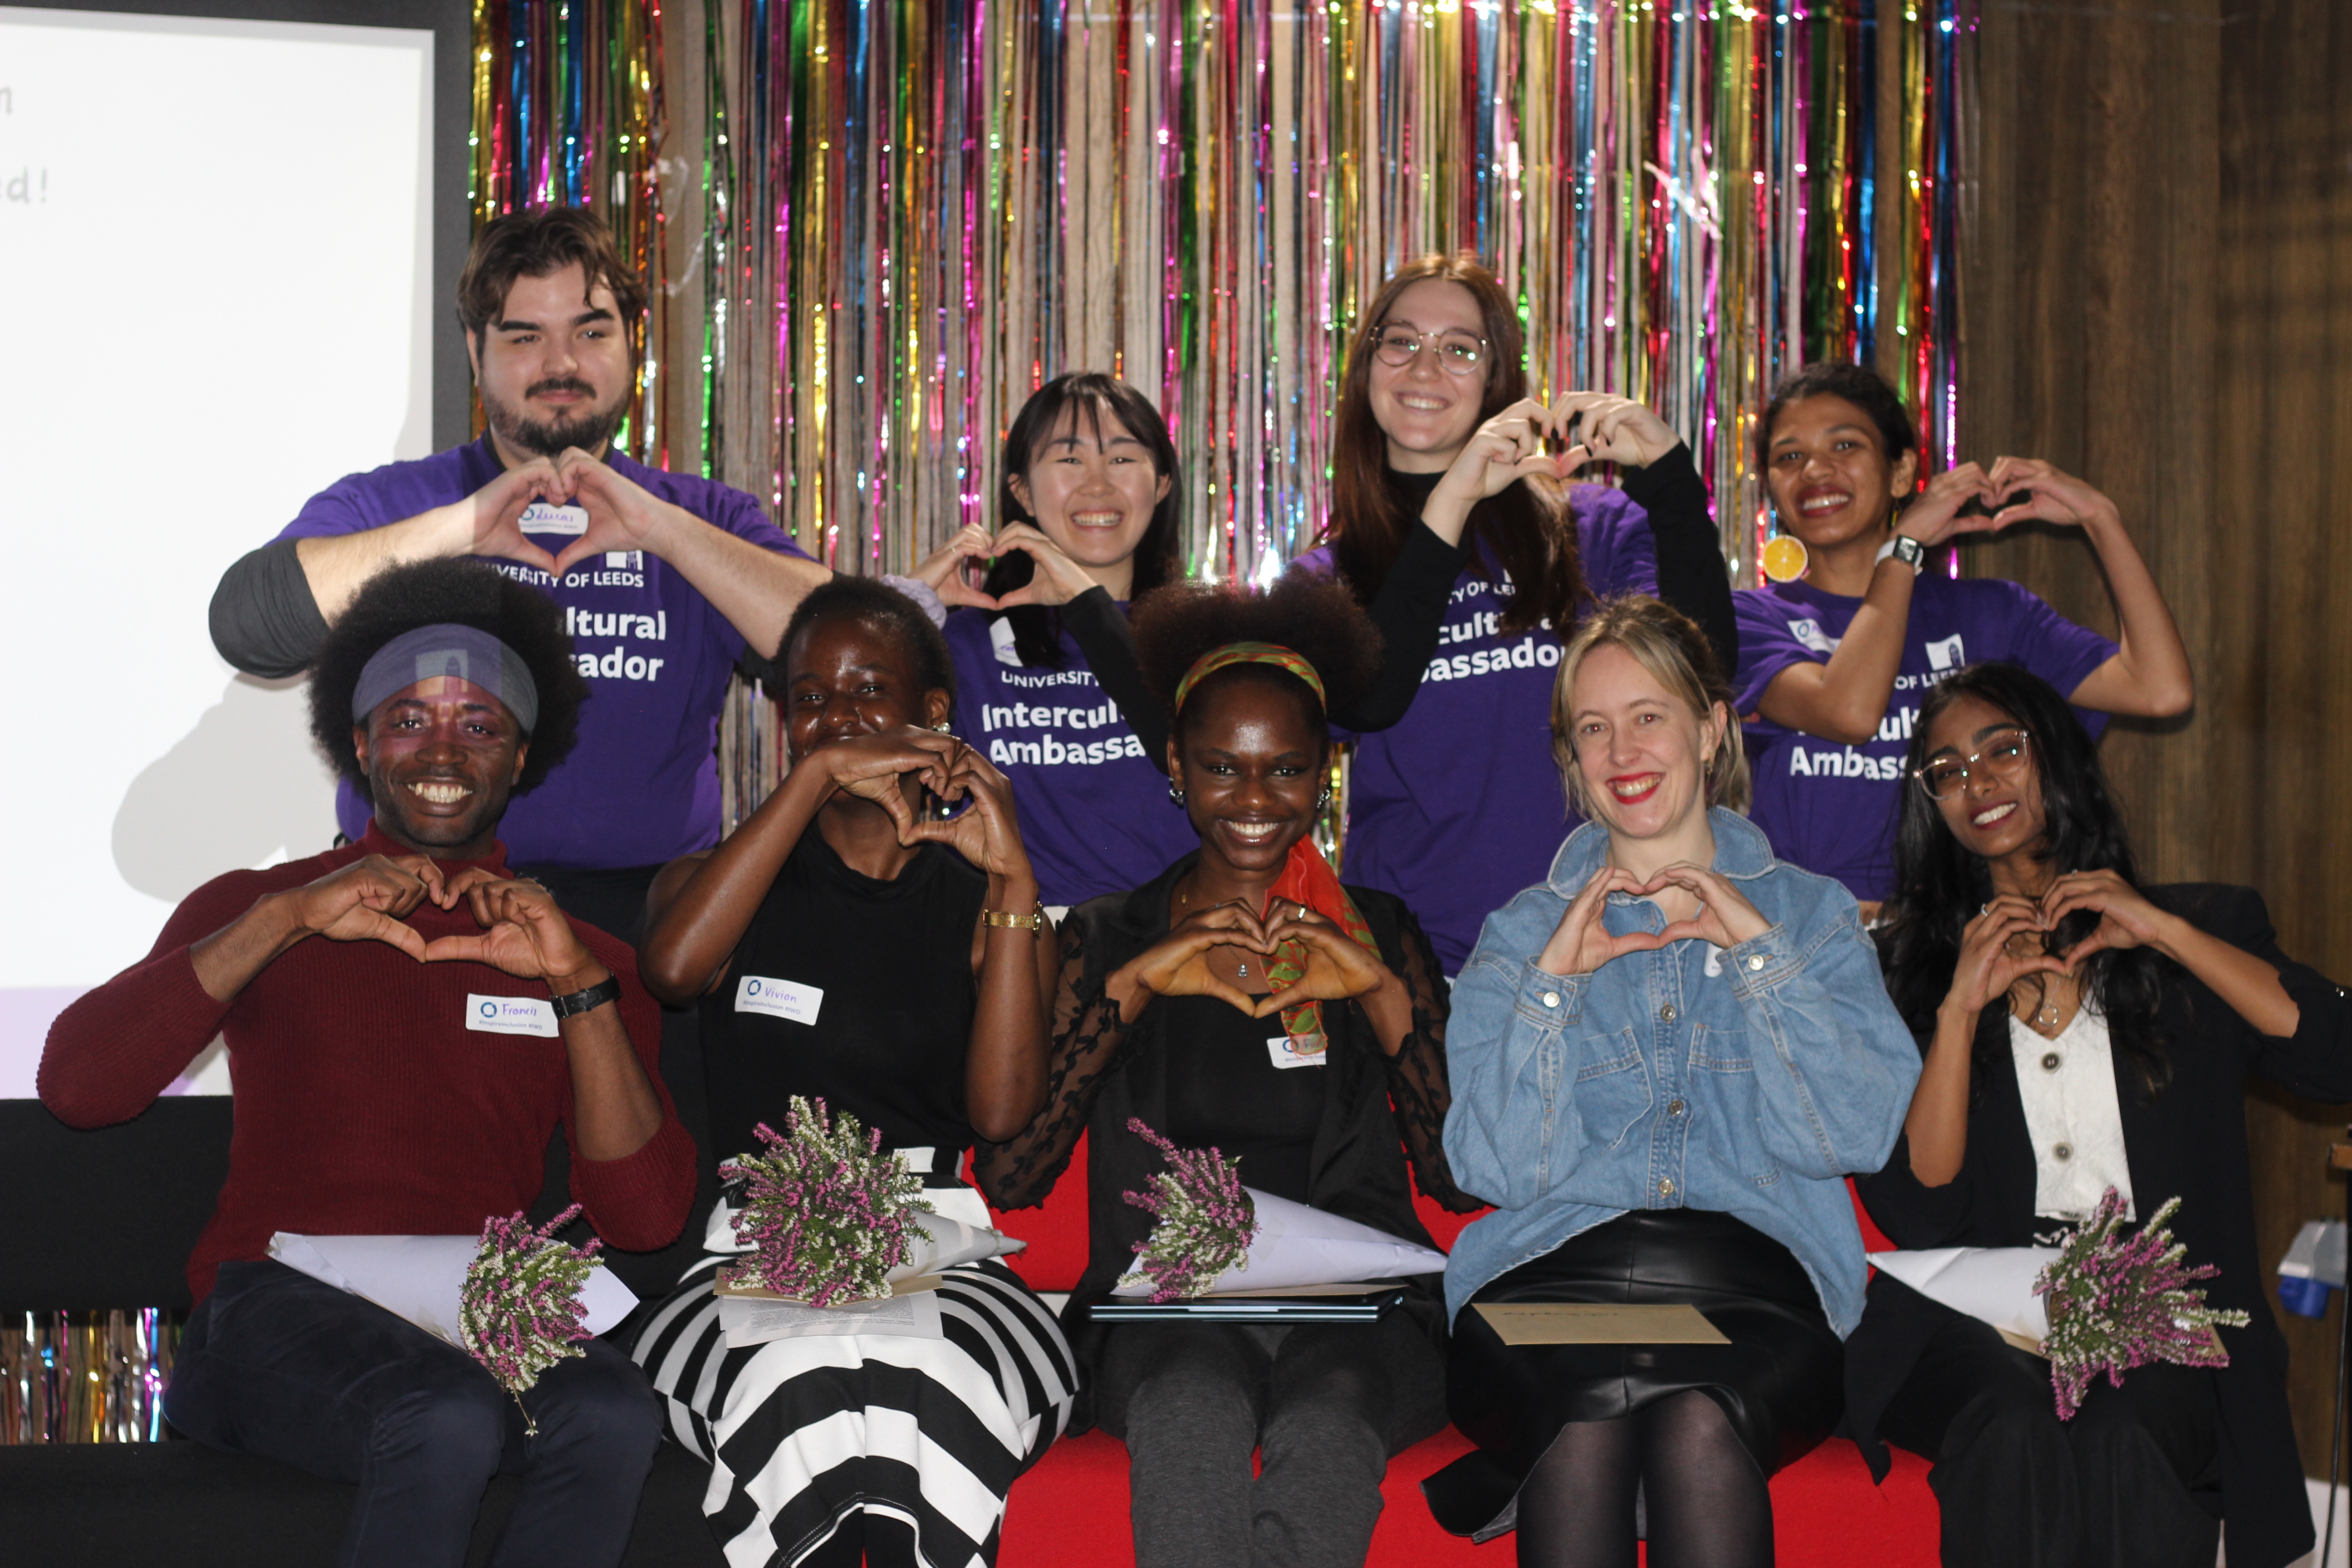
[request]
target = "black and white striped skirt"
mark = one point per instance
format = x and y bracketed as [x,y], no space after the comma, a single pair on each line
[802,1434]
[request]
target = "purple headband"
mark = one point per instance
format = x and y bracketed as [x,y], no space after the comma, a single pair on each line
[472,656]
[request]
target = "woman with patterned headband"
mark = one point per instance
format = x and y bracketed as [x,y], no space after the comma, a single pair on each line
[1244,999]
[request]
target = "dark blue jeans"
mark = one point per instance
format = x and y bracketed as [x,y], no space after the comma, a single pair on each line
[277,1363]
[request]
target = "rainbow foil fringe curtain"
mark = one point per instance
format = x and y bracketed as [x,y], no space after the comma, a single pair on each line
[872,229]
[85,1377]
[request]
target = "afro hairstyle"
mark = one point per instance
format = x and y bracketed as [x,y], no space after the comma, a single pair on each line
[463,591]
[1313,617]
[877,605]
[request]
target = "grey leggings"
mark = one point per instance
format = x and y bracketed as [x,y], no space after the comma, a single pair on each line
[1323,1406]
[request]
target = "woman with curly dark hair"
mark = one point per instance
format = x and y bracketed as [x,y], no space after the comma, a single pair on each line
[851,944]
[1451,521]
[1168,1011]
[2081,1032]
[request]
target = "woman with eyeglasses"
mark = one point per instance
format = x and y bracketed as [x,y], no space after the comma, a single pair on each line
[1834,662]
[2082,1031]
[1451,521]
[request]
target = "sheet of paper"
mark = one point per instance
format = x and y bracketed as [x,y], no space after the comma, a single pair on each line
[420,1277]
[1581,1323]
[747,1321]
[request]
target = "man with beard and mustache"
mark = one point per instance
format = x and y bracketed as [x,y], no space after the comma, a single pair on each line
[408,1025]
[663,579]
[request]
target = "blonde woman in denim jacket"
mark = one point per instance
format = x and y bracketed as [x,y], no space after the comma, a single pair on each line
[1664,1061]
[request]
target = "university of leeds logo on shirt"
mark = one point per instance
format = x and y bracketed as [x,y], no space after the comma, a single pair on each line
[1809,632]
[1948,654]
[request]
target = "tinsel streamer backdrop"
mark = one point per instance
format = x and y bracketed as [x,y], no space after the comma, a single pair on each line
[874,230]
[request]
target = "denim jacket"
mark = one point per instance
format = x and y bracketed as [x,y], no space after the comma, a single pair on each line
[1748,1080]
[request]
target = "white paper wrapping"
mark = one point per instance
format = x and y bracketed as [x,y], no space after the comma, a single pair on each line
[1297,1245]
[1991,1284]
[420,1277]
[943,1240]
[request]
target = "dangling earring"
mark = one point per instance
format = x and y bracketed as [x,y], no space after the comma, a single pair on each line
[1323,801]
[1175,795]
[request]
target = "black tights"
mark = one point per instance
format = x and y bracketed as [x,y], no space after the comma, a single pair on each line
[1707,1501]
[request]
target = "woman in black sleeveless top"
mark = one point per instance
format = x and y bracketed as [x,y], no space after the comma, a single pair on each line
[849,943]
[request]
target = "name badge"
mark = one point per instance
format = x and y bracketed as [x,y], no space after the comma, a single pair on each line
[539,517]
[778,998]
[1285,1052]
[511,1016]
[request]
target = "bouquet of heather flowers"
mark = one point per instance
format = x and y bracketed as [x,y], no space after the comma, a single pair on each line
[824,1209]
[2115,1305]
[1207,1220]
[519,1312]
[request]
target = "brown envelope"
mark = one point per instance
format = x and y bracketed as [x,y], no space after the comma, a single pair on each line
[1577,1323]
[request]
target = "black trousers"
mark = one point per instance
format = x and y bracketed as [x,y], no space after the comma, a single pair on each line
[2132,1481]
[277,1364]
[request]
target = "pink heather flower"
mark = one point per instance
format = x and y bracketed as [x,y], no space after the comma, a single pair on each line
[1206,1221]
[518,1311]
[824,1209]
[2117,1304]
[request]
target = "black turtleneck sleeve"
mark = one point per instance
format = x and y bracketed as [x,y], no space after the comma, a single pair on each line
[1410,611]
[1691,574]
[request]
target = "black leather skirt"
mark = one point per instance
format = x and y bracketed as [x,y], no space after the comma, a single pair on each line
[1779,1379]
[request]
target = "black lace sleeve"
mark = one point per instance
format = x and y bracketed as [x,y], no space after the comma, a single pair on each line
[1088,1041]
[1417,1083]
[1692,577]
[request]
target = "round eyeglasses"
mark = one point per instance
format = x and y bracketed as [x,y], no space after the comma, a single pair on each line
[1459,353]
[2002,757]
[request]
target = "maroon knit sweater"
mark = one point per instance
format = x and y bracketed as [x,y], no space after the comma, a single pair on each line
[365,1106]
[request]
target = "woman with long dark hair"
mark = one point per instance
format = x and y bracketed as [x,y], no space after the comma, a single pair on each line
[2082,1031]
[1087,505]
[1845,652]
[1450,521]
[1243,998]
[1665,1058]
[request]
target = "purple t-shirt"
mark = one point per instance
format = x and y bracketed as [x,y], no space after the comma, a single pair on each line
[1095,813]
[1831,808]
[1459,806]
[642,785]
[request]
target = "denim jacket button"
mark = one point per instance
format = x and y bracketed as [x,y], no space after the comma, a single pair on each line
[1551,998]
[1675,1108]
[1755,961]
[1666,1188]
[1667,1014]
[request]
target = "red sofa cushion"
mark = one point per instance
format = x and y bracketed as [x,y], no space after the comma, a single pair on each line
[1071,1511]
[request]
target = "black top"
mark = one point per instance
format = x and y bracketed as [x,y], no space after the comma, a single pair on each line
[1224,1089]
[2189,1140]
[894,962]
[1410,608]
[1376,1108]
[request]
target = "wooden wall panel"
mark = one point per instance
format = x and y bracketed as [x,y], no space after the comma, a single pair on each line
[2154,297]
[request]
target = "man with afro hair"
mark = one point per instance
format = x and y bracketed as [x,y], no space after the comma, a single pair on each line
[408,1022]
[664,581]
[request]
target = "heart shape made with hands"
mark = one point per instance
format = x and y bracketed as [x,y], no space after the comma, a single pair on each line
[1985,504]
